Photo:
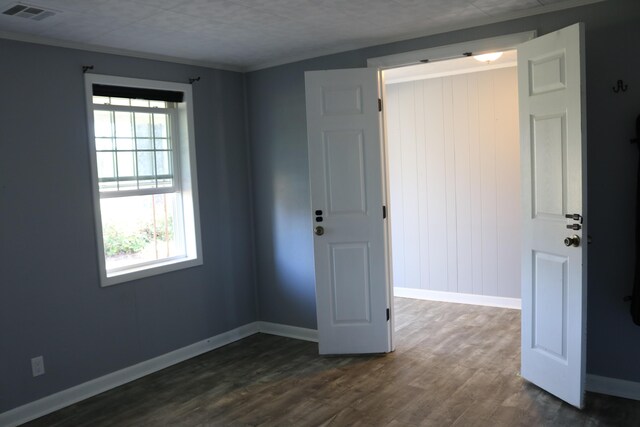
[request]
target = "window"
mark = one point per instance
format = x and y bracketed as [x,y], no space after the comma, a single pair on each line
[143,167]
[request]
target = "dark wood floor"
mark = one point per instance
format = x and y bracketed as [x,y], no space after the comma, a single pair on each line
[454,365]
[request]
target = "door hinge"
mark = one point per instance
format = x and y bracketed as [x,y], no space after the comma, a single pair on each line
[388,314]
[384,212]
[379,104]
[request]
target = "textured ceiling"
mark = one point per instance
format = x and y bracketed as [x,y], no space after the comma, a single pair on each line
[249,34]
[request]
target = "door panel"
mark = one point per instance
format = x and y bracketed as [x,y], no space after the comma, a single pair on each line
[549,305]
[350,283]
[344,153]
[548,144]
[553,153]
[347,195]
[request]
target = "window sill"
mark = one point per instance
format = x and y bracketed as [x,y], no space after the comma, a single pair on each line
[141,272]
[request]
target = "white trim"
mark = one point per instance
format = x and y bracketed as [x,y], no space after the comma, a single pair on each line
[185,179]
[30,38]
[288,331]
[345,47]
[455,297]
[427,76]
[613,386]
[450,51]
[53,402]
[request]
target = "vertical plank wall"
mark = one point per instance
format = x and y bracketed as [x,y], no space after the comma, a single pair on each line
[454,176]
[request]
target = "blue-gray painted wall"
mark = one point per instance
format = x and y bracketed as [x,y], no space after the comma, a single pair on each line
[51,302]
[284,251]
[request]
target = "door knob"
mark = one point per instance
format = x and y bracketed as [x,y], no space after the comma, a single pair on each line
[572,241]
[319,230]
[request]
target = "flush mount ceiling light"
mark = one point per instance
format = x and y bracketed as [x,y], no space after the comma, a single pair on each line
[488,57]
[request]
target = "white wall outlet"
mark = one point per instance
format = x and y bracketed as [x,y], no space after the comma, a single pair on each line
[37,366]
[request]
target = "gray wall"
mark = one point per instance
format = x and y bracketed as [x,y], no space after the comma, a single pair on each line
[51,303]
[284,251]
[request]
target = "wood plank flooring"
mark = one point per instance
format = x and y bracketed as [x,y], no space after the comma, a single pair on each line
[454,365]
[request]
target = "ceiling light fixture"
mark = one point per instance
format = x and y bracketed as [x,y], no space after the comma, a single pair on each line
[488,57]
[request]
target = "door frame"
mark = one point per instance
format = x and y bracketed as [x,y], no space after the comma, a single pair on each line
[441,53]
[421,56]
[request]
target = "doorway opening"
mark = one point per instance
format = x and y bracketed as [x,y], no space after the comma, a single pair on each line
[348,185]
[453,179]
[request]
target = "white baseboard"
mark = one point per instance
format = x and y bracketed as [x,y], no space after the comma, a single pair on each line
[613,387]
[288,331]
[46,405]
[425,294]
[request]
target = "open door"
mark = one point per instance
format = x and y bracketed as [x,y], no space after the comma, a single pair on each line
[553,152]
[347,198]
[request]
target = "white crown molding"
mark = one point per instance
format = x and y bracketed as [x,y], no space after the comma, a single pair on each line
[438,30]
[28,38]
[459,298]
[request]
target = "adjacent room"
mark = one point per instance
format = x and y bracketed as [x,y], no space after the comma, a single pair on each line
[213,212]
[454,180]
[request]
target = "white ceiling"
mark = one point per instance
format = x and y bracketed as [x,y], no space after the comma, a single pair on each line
[253,34]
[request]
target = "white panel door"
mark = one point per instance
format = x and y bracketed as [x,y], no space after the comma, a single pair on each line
[551,87]
[347,198]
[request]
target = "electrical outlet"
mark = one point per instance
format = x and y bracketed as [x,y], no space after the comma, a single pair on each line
[37,366]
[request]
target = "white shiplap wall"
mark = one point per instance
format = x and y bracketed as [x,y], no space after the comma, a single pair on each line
[454,175]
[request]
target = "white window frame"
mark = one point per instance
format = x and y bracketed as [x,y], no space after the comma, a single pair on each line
[185,180]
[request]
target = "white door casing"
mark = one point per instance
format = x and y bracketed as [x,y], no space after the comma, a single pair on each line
[553,159]
[347,192]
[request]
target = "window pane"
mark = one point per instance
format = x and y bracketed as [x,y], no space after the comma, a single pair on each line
[105,165]
[124,124]
[125,144]
[144,144]
[160,125]
[163,164]
[143,125]
[145,163]
[143,149]
[102,124]
[119,101]
[101,100]
[140,102]
[104,144]
[158,104]
[140,229]
[125,164]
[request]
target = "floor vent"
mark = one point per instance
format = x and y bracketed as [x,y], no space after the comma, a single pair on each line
[29,12]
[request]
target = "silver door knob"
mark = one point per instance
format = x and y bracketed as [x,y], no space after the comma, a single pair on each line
[319,230]
[572,241]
